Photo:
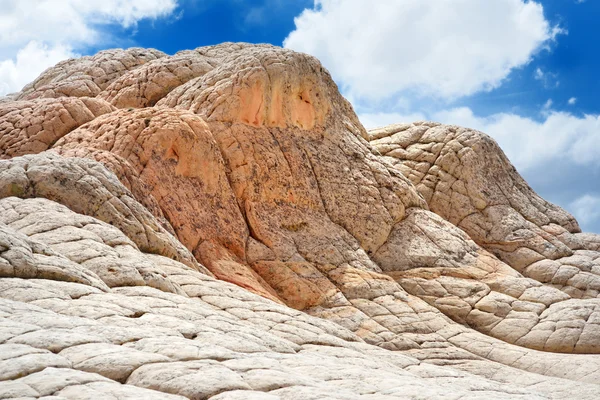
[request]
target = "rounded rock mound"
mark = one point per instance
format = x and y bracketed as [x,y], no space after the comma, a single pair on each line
[86,76]
[218,224]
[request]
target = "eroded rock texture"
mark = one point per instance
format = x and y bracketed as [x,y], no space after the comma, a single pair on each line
[466,179]
[218,224]
[33,126]
[86,76]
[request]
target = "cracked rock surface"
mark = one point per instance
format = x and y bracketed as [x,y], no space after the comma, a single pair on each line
[87,76]
[218,224]
[33,126]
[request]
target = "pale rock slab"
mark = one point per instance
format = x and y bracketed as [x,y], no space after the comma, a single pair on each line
[95,192]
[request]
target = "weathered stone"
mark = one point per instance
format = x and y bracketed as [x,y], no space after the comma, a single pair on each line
[467,180]
[252,164]
[86,76]
[95,192]
[30,127]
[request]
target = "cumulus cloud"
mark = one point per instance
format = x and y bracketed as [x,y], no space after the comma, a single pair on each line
[435,47]
[547,106]
[72,21]
[29,62]
[561,136]
[379,119]
[36,34]
[392,56]
[572,101]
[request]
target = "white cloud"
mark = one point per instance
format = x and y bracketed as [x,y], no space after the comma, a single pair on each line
[435,47]
[548,79]
[72,21]
[586,209]
[538,74]
[376,120]
[35,34]
[528,143]
[30,61]
[572,101]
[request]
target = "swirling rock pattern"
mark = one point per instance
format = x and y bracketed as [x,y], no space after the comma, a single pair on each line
[218,224]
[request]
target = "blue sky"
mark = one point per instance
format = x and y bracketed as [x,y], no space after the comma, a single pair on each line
[570,67]
[526,72]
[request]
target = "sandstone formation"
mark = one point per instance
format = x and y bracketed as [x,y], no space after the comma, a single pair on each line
[86,76]
[218,224]
[33,126]
[467,180]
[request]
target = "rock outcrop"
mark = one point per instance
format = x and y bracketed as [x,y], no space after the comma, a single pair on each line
[86,76]
[467,180]
[33,126]
[218,224]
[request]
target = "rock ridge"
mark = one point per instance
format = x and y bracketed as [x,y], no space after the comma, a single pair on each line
[218,224]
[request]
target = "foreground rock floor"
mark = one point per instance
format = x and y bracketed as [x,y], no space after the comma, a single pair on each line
[218,224]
